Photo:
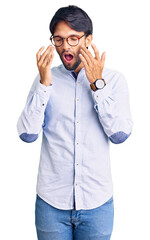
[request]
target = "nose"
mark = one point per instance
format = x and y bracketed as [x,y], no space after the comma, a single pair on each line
[65,44]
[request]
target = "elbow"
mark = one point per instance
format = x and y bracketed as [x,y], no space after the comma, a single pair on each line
[119,137]
[28,138]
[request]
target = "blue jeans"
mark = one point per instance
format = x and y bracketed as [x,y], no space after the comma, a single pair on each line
[56,224]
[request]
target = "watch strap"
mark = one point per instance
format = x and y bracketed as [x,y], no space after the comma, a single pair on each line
[93,87]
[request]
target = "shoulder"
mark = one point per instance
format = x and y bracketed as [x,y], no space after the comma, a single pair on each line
[111,74]
[58,70]
[114,78]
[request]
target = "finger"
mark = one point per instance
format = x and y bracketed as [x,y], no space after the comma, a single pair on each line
[48,59]
[51,59]
[39,53]
[86,57]
[44,54]
[88,53]
[103,57]
[96,52]
[83,61]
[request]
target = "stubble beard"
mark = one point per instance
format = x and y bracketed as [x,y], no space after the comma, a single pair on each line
[75,65]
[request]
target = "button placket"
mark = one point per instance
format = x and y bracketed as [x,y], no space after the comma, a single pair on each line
[77,180]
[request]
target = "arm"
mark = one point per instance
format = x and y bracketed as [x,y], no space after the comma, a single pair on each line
[31,119]
[112,105]
[111,102]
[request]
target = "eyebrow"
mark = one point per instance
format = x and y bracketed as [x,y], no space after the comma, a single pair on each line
[68,36]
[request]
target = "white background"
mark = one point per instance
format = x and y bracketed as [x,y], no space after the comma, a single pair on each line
[121,28]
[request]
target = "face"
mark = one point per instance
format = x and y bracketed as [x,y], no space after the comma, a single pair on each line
[69,55]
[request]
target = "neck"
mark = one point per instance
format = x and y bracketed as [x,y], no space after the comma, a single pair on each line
[77,70]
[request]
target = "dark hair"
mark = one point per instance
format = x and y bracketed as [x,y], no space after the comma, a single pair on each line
[75,17]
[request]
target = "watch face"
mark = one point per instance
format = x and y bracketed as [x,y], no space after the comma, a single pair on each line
[100,83]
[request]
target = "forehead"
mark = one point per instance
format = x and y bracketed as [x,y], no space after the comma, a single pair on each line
[63,29]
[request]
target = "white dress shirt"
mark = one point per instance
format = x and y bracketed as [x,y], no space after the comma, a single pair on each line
[77,125]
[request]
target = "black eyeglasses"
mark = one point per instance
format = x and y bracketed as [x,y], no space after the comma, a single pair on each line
[72,40]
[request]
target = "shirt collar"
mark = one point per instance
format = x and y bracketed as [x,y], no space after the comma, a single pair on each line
[72,73]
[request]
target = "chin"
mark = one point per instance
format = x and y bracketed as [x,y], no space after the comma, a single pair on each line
[69,67]
[72,67]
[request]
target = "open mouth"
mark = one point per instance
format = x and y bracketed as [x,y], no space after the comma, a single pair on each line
[68,57]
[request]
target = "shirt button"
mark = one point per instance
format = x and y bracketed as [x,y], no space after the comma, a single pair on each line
[77,143]
[77,99]
[77,121]
[77,164]
[78,82]
[45,91]
[76,184]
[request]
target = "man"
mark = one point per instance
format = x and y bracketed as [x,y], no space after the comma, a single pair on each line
[80,106]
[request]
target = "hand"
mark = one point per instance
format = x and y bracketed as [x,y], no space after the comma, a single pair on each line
[44,64]
[93,65]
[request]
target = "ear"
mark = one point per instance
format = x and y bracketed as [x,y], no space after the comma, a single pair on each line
[88,40]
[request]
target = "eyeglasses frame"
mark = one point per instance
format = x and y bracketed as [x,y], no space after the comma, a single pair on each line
[51,38]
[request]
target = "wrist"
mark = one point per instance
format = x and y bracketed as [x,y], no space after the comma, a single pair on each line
[46,83]
[99,77]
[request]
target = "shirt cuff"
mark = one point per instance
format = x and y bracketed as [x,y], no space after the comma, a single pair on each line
[42,90]
[101,94]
